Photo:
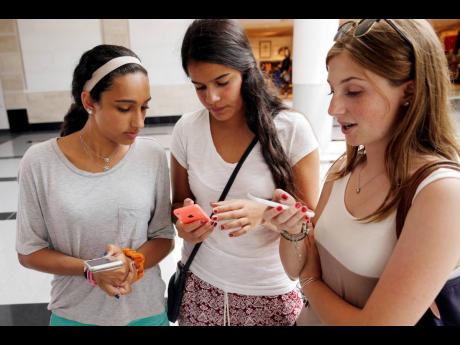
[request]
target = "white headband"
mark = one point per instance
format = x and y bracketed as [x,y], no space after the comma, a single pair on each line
[108,67]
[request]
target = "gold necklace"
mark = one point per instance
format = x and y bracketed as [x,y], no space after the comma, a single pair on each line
[359,187]
[107,160]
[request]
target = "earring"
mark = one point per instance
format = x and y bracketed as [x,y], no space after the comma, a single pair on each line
[90,111]
[406,104]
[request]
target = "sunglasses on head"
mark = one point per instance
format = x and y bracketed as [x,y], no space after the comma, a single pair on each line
[364,26]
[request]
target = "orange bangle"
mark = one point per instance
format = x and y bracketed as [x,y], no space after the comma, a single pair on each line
[138,259]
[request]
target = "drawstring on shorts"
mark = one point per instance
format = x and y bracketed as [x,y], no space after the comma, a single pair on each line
[226,310]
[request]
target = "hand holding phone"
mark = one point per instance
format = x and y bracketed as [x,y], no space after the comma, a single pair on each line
[271,203]
[105,263]
[191,213]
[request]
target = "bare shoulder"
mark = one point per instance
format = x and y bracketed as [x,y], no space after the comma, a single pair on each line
[434,209]
[445,188]
[421,160]
[442,182]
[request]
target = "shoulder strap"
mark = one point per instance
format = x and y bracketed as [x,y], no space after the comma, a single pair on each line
[224,194]
[408,190]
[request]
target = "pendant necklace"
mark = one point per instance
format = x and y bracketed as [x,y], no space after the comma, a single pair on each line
[107,159]
[359,187]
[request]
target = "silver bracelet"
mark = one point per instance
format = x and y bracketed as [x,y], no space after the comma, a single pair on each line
[296,237]
[307,281]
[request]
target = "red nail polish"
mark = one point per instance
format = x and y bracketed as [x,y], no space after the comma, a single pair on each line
[214,218]
[214,210]
[304,209]
[230,235]
[279,208]
[284,196]
[298,205]
[222,227]
[308,219]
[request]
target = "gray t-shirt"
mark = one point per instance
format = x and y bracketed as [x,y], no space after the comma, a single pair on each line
[78,213]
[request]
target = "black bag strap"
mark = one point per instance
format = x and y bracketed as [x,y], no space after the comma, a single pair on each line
[224,195]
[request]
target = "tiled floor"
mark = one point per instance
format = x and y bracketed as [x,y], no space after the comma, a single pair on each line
[24,293]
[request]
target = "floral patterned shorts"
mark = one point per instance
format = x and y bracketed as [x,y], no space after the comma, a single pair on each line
[206,305]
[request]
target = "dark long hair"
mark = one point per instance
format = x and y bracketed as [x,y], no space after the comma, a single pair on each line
[223,42]
[90,61]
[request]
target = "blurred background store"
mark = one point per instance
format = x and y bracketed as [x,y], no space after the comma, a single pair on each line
[270,37]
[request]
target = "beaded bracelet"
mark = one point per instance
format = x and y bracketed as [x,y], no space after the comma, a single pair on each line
[296,237]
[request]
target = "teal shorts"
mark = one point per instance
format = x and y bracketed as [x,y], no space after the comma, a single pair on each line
[155,320]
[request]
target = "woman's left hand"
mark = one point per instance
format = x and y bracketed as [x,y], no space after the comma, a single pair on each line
[243,215]
[125,287]
[312,267]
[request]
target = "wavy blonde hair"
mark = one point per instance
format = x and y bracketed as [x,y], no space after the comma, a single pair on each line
[425,127]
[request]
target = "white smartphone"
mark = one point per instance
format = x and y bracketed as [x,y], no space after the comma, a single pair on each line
[271,203]
[105,263]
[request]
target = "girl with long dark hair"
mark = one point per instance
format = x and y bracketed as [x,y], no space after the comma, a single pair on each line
[237,277]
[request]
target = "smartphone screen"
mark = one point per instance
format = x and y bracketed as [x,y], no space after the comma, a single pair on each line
[99,261]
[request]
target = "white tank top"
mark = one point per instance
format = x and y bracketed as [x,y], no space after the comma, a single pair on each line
[354,254]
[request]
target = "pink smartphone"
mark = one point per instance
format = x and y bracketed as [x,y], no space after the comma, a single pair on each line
[190,214]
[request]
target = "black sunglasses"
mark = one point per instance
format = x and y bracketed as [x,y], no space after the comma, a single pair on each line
[364,26]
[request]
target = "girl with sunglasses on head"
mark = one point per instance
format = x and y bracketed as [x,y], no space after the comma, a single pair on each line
[99,189]
[236,277]
[364,263]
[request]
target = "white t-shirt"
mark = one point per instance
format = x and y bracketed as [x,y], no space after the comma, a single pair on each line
[249,264]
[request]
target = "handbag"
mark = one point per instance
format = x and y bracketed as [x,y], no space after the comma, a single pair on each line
[448,299]
[177,281]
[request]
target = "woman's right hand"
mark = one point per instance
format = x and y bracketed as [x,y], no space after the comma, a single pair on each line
[194,232]
[111,281]
[290,219]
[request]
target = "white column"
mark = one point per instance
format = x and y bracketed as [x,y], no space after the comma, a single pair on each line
[4,124]
[312,40]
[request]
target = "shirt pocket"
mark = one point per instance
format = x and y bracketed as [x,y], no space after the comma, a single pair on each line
[132,226]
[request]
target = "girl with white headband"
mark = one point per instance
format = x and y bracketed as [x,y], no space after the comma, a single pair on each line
[99,189]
